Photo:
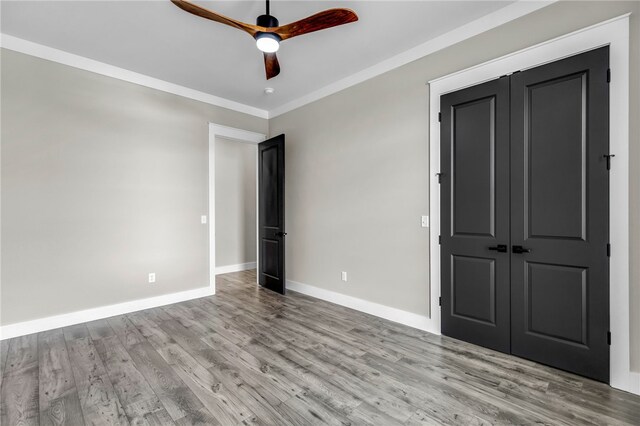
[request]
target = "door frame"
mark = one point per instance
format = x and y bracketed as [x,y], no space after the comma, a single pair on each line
[615,34]
[241,136]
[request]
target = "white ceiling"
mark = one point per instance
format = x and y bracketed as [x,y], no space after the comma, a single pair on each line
[158,39]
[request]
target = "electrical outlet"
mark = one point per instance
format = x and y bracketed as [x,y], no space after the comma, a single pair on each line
[344,276]
[152,277]
[203,219]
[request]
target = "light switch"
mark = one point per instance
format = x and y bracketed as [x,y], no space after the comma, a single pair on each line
[203,219]
[425,221]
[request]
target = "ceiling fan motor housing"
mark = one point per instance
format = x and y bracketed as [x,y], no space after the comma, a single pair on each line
[267,21]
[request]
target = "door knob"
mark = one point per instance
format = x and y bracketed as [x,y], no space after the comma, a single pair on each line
[501,248]
[281,234]
[520,250]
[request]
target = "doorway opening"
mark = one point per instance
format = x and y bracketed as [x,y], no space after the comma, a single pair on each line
[233,200]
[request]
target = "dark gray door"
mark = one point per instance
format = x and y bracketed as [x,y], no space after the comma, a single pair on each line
[475,214]
[560,214]
[525,169]
[271,214]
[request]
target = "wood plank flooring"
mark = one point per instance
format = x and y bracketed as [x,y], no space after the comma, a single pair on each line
[249,356]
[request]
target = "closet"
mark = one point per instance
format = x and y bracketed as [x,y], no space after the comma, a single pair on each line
[524,207]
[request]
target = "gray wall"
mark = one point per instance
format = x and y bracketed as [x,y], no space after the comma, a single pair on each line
[235,202]
[103,181]
[357,167]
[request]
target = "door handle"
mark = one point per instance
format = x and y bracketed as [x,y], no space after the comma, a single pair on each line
[520,250]
[500,248]
[281,234]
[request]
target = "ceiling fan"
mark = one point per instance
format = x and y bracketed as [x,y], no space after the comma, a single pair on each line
[268,34]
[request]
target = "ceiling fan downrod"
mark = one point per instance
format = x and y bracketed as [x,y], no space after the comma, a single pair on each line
[267,20]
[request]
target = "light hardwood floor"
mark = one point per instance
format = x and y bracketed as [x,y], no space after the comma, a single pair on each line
[248,356]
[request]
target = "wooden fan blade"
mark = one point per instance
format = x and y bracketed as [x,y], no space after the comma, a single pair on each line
[271,65]
[320,21]
[208,14]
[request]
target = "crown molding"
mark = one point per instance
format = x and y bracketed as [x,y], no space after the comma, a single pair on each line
[55,55]
[485,23]
[473,28]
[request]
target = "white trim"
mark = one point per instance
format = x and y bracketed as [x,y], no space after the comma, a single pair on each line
[238,135]
[235,268]
[35,326]
[615,33]
[410,319]
[485,23]
[41,51]
[257,216]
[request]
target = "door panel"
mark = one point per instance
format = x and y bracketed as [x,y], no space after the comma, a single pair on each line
[475,214]
[555,305]
[271,214]
[559,212]
[556,144]
[474,289]
[474,149]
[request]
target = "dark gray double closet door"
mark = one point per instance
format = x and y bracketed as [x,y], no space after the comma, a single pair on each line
[524,204]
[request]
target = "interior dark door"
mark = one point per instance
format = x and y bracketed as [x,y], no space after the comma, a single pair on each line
[475,214]
[559,221]
[271,272]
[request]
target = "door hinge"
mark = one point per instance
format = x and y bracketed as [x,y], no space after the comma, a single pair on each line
[609,338]
[608,250]
[439,117]
[439,177]
[440,301]
[608,75]
[439,239]
[609,157]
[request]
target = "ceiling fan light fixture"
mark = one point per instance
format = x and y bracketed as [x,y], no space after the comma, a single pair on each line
[268,33]
[268,42]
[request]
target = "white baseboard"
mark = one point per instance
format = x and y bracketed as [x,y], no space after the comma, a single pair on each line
[421,322]
[629,382]
[235,268]
[410,319]
[35,326]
